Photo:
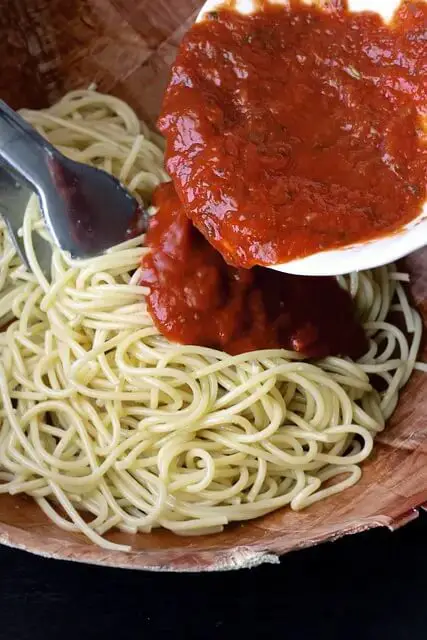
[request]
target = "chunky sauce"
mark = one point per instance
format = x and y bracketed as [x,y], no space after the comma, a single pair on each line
[294,130]
[196,298]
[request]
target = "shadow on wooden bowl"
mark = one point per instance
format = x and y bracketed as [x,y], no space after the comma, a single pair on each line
[126,48]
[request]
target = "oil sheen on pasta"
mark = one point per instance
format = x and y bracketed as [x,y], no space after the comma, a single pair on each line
[295,129]
[197,298]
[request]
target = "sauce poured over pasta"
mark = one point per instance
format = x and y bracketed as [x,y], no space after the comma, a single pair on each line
[197,298]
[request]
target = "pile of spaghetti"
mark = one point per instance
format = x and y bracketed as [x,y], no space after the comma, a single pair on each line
[107,424]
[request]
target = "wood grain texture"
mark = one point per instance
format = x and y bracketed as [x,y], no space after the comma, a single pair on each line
[126,47]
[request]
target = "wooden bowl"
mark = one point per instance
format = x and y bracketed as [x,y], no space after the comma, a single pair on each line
[127,47]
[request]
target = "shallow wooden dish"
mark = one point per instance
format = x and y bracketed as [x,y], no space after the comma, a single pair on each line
[126,47]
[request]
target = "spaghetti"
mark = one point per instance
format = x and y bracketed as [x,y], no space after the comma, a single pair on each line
[107,424]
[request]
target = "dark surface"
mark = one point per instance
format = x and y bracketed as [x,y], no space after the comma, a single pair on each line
[373,585]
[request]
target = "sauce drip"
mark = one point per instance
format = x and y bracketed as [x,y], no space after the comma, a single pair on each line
[295,130]
[197,298]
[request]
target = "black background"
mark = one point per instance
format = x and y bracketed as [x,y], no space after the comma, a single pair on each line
[373,585]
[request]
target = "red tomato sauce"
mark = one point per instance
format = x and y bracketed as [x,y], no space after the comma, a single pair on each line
[197,298]
[295,130]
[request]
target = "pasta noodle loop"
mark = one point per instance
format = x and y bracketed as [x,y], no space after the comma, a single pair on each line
[107,424]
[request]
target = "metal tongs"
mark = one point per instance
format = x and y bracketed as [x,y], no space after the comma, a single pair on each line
[85,209]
